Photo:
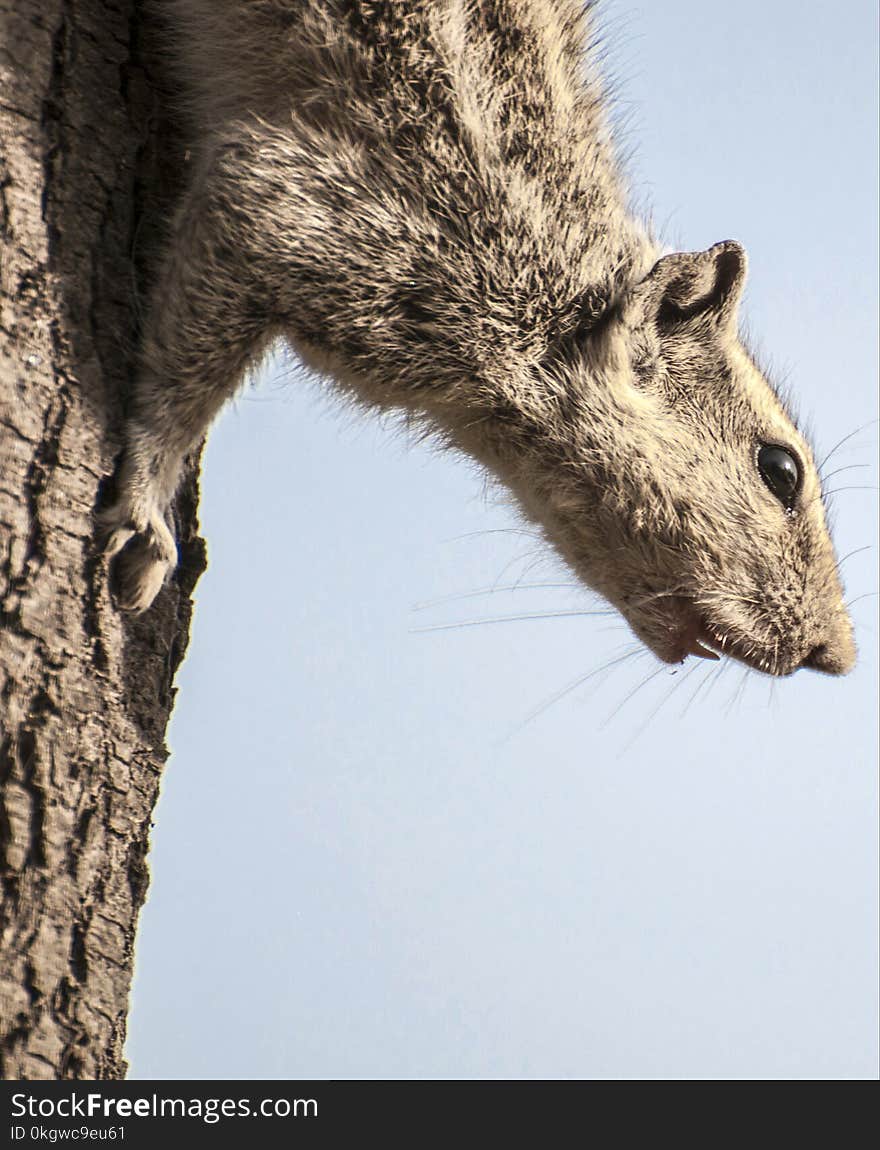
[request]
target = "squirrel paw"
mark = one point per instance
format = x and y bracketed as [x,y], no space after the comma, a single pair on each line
[142,556]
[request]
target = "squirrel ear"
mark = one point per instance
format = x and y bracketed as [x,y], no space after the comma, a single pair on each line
[688,286]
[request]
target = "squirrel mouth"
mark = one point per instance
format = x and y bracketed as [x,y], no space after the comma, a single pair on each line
[695,638]
[684,630]
[689,633]
[694,635]
[697,644]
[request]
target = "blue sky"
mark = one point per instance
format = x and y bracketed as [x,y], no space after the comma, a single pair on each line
[368,861]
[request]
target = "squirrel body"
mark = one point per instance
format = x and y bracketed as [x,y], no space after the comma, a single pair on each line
[423,199]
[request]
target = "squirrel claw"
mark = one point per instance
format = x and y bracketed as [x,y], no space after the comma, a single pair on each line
[141,559]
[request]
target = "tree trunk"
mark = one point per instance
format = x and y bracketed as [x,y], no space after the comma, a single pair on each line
[88,165]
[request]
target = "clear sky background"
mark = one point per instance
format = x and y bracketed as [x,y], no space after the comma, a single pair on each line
[366,863]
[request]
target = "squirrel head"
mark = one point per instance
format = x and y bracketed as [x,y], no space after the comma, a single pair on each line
[680,488]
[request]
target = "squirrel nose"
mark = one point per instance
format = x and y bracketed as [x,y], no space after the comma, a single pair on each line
[817,658]
[831,659]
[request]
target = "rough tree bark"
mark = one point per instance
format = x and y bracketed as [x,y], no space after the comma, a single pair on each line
[88,164]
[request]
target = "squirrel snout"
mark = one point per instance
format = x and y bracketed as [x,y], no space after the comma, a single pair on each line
[832,658]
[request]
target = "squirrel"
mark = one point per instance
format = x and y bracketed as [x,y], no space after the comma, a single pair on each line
[422,198]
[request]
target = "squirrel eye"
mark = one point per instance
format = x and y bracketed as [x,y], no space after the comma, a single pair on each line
[781,472]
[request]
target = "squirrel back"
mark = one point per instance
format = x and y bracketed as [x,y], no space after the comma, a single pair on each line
[479,186]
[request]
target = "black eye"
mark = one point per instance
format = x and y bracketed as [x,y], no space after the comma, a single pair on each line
[781,472]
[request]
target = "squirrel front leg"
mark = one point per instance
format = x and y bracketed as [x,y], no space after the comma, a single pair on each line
[208,320]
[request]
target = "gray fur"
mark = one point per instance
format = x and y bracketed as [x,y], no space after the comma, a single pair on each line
[422,199]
